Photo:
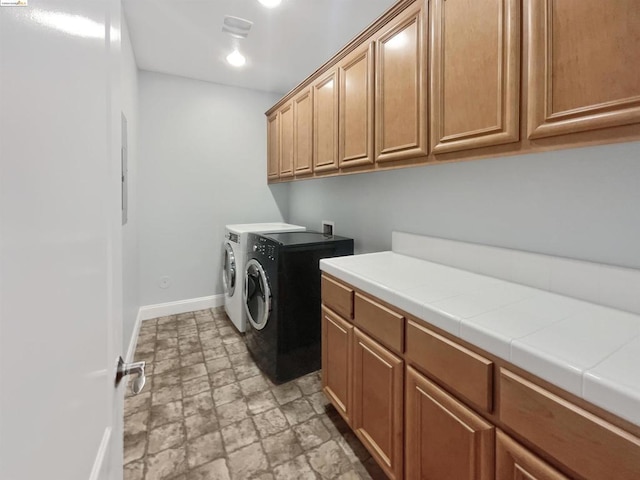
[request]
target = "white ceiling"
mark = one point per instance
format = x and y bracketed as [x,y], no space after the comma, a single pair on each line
[285,45]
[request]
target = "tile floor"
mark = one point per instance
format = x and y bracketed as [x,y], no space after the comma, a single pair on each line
[208,413]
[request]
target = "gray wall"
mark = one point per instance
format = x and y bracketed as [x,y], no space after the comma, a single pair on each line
[580,203]
[202,165]
[130,252]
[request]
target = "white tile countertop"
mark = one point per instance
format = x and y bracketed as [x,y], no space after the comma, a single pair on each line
[590,350]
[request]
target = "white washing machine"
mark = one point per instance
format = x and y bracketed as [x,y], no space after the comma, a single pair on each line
[234,258]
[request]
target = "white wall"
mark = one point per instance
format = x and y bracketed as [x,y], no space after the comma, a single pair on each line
[130,252]
[581,203]
[202,165]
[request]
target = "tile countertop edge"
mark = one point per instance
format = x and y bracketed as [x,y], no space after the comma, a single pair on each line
[619,403]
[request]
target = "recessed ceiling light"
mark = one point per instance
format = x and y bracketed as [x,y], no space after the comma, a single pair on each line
[236,59]
[270,3]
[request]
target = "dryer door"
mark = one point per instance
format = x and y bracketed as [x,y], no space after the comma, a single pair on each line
[229,270]
[257,295]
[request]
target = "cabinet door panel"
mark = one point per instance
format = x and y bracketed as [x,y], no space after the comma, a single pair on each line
[303,133]
[356,107]
[336,361]
[583,58]
[377,402]
[273,146]
[445,439]
[325,121]
[400,118]
[514,462]
[475,76]
[286,140]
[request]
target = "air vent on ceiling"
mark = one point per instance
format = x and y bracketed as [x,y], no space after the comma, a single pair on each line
[236,27]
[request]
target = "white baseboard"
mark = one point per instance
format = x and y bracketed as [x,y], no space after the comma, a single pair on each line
[181,306]
[134,338]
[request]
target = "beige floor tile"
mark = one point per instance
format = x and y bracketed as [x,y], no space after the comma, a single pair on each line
[168,342]
[164,366]
[134,470]
[296,469]
[191,359]
[195,386]
[281,447]
[286,392]
[201,403]
[270,422]
[247,462]
[166,379]
[166,436]
[167,413]
[309,384]
[353,448]
[216,470]
[222,378]
[245,371]
[239,435]
[134,447]
[232,412]
[226,394]
[218,364]
[329,460]
[261,402]
[203,449]
[166,395]
[137,403]
[193,371]
[312,433]
[166,464]
[253,385]
[297,411]
[201,424]
[136,423]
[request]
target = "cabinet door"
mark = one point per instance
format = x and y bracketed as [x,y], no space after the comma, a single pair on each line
[583,65]
[286,140]
[325,122]
[273,146]
[356,107]
[514,462]
[337,358]
[303,133]
[445,439]
[475,73]
[377,402]
[400,103]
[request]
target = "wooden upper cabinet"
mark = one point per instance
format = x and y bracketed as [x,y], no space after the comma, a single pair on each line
[514,462]
[475,73]
[303,133]
[325,122]
[583,65]
[444,438]
[401,97]
[356,107]
[377,410]
[286,140]
[273,146]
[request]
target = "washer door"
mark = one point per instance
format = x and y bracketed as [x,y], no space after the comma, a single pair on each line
[257,295]
[229,270]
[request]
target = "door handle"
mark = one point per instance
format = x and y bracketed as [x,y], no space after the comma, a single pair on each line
[135,368]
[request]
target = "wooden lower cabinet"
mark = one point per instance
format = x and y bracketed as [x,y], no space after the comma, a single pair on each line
[337,344]
[444,438]
[514,462]
[378,402]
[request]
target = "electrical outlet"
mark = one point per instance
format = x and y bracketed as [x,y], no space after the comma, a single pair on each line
[165,282]
[328,227]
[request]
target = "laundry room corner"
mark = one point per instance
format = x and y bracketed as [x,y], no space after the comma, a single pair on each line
[197,173]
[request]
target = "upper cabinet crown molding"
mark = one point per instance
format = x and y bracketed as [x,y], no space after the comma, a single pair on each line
[583,65]
[475,73]
[401,93]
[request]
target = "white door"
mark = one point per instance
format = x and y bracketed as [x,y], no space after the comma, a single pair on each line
[60,254]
